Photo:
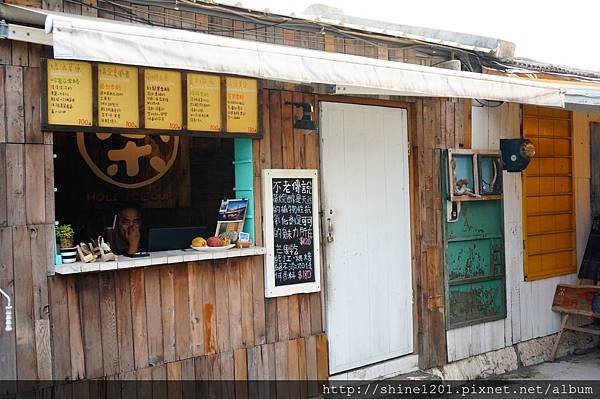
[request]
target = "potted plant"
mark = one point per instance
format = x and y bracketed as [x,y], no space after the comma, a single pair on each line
[65,235]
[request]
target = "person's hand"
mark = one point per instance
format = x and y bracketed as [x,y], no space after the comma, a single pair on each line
[133,237]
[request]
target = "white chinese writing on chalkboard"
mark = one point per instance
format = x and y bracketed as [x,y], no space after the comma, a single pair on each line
[293,229]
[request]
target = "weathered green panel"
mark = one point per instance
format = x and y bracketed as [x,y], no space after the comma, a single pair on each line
[474,261]
[477,219]
[476,302]
[474,258]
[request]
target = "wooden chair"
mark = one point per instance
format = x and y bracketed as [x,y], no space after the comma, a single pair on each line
[571,299]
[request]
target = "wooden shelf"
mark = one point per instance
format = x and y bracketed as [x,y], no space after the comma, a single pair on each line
[157,258]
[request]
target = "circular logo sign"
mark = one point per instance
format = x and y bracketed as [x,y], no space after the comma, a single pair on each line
[128,160]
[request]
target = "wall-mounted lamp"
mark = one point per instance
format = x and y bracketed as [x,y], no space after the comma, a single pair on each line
[8,318]
[306,123]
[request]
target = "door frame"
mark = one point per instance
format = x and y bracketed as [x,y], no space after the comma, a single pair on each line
[413,202]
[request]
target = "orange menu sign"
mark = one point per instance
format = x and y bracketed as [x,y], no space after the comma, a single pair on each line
[242,105]
[203,102]
[69,93]
[118,96]
[162,99]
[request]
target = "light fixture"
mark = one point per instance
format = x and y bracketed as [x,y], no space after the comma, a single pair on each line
[306,123]
[8,314]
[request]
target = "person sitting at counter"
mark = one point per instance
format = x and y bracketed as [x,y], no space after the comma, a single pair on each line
[128,235]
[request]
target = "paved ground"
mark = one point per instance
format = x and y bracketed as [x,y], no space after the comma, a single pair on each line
[574,367]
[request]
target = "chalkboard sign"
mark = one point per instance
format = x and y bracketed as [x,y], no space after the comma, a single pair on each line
[291,221]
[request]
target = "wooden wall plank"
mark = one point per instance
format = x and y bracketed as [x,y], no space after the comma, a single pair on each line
[305,328]
[159,381]
[235,303]
[32,104]
[240,373]
[254,355]
[222,311]
[48,184]
[287,129]
[188,374]
[209,307]
[227,375]
[247,314]
[13,91]
[23,305]
[153,310]
[283,324]
[322,362]
[43,349]
[124,320]
[138,317]
[75,331]
[293,370]
[174,377]
[167,297]
[196,308]
[20,53]
[15,184]
[89,309]
[275,129]
[3,188]
[281,369]
[35,200]
[302,368]
[294,316]
[59,317]
[108,319]
[8,361]
[2,96]
[299,139]
[183,347]
[258,300]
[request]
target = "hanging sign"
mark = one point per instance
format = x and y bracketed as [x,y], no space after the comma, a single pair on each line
[292,263]
[203,102]
[162,99]
[69,93]
[118,96]
[98,97]
[242,105]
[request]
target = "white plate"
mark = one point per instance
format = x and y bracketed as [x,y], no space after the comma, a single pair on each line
[210,249]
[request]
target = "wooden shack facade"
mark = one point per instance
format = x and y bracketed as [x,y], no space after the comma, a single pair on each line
[205,320]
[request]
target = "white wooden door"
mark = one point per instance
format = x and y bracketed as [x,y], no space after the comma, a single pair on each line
[366,208]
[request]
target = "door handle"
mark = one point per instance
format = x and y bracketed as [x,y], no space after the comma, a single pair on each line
[330,226]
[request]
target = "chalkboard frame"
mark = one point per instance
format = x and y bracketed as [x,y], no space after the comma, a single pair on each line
[271,290]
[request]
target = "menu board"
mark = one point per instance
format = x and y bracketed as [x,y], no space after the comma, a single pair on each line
[69,97]
[242,105]
[292,233]
[162,99]
[203,102]
[118,96]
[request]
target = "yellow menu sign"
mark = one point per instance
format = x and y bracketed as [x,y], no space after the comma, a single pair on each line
[242,105]
[203,102]
[69,93]
[118,96]
[162,99]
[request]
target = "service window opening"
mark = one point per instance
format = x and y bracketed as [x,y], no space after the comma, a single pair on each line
[176,181]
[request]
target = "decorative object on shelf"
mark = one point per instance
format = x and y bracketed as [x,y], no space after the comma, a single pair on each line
[64,234]
[244,240]
[106,253]
[85,253]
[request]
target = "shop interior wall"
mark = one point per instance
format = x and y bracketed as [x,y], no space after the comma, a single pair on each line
[529,303]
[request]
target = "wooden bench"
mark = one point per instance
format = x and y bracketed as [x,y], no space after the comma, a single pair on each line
[571,299]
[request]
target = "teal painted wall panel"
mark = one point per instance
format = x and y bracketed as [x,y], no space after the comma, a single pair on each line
[244,179]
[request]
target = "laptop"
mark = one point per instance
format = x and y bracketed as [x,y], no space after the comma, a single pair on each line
[165,239]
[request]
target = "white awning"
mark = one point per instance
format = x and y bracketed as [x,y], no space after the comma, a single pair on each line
[95,39]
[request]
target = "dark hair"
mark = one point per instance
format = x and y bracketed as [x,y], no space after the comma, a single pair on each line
[129,205]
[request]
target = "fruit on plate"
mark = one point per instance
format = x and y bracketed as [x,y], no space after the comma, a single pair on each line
[232,236]
[225,238]
[215,242]
[198,242]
